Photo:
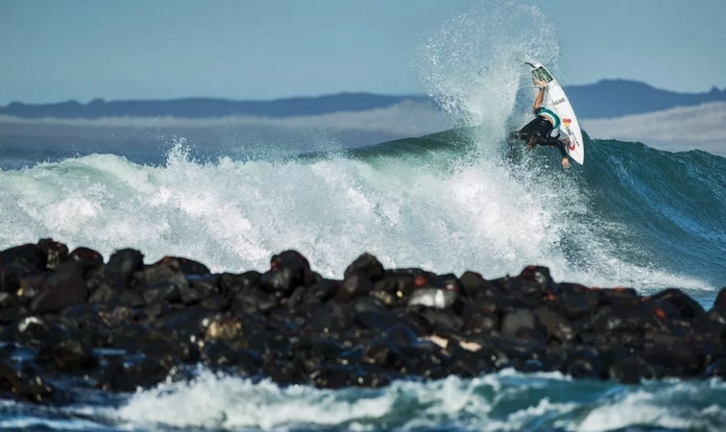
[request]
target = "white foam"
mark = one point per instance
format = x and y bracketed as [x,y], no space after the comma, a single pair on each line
[506,401]
[222,402]
[641,408]
[234,216]
[213,402]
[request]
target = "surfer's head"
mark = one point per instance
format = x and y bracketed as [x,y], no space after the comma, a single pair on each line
[532,139]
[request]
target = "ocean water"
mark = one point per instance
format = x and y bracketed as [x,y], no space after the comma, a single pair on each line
[458,200]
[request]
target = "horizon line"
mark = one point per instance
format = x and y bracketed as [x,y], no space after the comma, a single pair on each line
[324,95]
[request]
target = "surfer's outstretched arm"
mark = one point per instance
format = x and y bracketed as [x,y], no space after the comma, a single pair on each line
[560,144]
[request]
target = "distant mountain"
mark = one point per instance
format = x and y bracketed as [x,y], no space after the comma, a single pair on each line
[607,98]
[616,98]
[208,108]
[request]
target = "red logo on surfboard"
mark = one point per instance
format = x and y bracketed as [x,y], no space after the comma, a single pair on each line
[566,122]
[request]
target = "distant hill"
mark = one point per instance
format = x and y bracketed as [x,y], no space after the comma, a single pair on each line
[607,98]
[208,108]
[616,98]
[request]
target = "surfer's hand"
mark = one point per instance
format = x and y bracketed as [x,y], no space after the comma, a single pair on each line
[565,163]
[540,84]
[530,147]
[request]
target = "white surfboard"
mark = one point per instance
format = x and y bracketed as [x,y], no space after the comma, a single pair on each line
[557,101]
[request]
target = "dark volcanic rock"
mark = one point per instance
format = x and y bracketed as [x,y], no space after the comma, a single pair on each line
[686,306]
[30,387]
[121,325]
[287,270]
[355,285]
[64,289]
[185,265]
[231,284]
[56,253]
[28,254]
[87,258]
[125,262]
[367,266]
[516,322]
[720,302]
[474,285]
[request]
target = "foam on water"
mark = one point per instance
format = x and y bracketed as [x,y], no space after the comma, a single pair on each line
[679,406]
[234,216]
[213,401]
[507,401]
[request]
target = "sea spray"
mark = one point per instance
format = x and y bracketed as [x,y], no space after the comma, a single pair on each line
[473,65]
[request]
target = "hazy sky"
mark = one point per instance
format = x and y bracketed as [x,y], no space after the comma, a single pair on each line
[59,50]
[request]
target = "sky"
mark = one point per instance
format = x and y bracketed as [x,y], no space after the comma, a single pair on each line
[54,51]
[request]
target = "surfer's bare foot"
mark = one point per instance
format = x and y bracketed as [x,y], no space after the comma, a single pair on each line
[540,84]
[565,163]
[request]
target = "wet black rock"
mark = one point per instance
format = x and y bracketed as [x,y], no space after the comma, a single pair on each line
[354,285]
[87,258]
[125,262]
[27,254]
[65,288]
[54,251]
[123,324]
[287,270]
[367,266]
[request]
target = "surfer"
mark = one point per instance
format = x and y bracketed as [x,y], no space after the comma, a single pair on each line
[545,128]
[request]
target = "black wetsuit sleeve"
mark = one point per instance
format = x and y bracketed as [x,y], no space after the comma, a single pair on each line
[557,143]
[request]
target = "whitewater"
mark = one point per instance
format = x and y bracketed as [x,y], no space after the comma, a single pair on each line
[460,200]
[425,211]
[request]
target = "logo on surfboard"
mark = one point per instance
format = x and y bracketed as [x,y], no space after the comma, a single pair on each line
[567,122]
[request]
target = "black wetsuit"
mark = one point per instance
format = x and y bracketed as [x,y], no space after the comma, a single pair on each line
[555,142]
[543,129]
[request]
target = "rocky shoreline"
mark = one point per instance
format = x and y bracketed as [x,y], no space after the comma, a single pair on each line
[71,321]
